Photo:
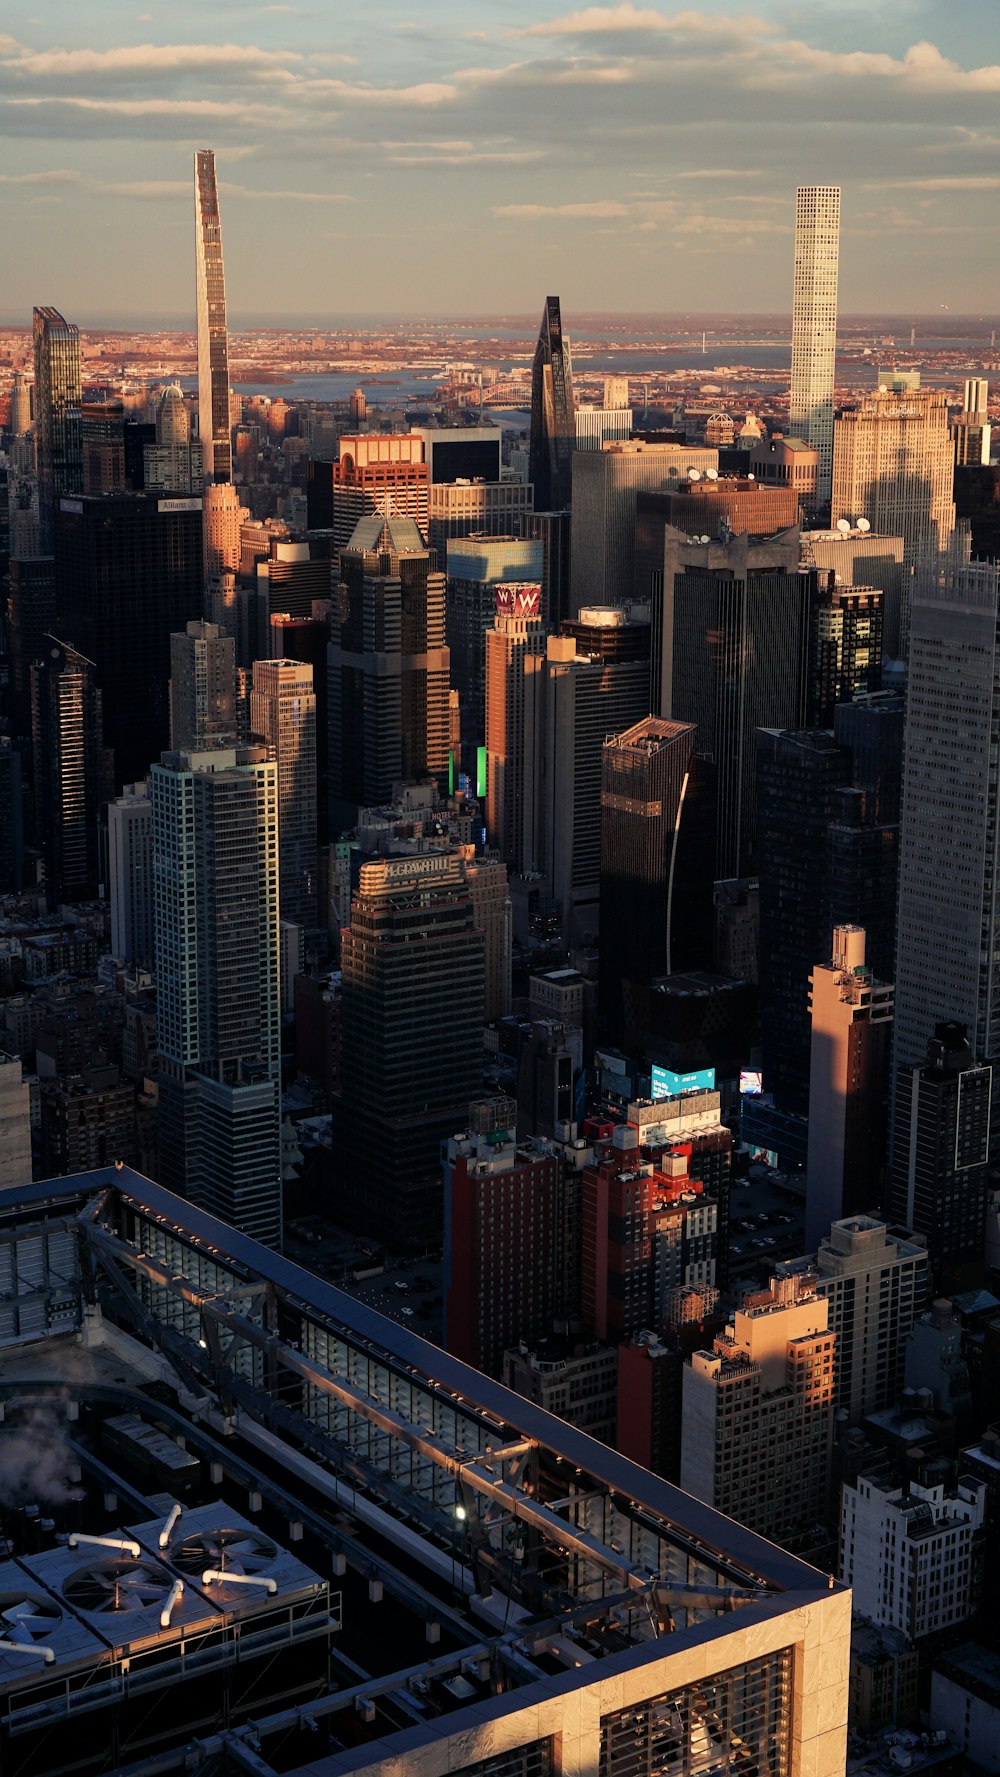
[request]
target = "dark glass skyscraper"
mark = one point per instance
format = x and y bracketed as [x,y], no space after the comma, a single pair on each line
[69,779]
[553,423]
[940,1150]
[656,865]
[128,574]
[412,1028]
[58,426]
[213,341]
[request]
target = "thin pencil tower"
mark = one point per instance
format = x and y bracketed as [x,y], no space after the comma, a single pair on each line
[213,341]
[814,323]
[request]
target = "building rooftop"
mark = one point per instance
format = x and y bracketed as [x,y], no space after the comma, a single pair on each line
[489,1558]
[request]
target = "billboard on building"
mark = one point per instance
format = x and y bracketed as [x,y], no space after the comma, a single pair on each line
[667,1084]
[519,598]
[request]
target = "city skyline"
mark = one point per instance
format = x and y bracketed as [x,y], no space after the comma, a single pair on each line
[610,151]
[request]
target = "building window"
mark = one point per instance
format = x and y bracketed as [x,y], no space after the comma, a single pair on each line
[731,1722]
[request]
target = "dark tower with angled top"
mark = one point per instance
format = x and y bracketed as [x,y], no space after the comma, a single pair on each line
[553,424]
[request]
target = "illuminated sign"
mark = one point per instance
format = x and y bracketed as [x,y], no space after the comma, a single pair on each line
[178,505]
[480,772]
[519,598]
[71,505]
[667,1084]
[751,1082]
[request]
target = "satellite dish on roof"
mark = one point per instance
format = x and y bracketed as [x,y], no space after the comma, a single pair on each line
[694,474]
[843,525]
[863,524]
[751,477]
[711,474]
[704,539]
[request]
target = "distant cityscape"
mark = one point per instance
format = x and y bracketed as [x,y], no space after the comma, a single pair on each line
[500,1040]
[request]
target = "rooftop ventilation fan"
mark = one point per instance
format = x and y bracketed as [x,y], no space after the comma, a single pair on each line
[25,1617]
[223,1551]
[110,1586]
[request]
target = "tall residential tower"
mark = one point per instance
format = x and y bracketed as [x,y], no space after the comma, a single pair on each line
[213,344]
[814,323]
[58,422]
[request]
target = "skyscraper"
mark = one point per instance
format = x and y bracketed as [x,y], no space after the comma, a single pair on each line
[389,667]
[384,472]
[412,1030]
[940,1150]
[515,688]
[215,884]
[949,871]
[202,689]
[655,875]
[734,640]
[283,716]
[894,465]
[130,873]
[814,323]
[553,423]
[58,426]
[213,341]
[477,564]
[128,574]
[604,552]
[69,778]
[848,1079]
[596,684]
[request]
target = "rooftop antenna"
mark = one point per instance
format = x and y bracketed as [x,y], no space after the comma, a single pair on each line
[703,342]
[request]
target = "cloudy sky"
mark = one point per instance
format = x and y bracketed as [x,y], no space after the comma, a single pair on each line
[459,156]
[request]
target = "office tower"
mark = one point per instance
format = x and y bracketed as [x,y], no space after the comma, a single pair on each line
[202,689]
[173,463]
[515,689]
[734,641]
[130,873]
[15,1124]
[476,565]
[388,667]
[758,1414]
[606,486]
[851,1015]
[828,846]
[58,398]
[687,1121]
[128,573]
[597,426]
[720,1652]
[486,878]
[102,433]
[552,531]
[461,453]
[845,651]
[893,465]
[949,894]
[596,684]
[307,639]
[11,817]
[913,1553]
[291,578]
[507,1210]
[971,431]
[467,508]
[647,1231]
[788,463]
[283,717]
[68,766]
[814,323]
[615,391]
[375,472]
[20,405]
[711,505]
[553,431]
[213,340]
[656,864]
[31,614]
[215,884]
[940,1149]
[412,1032]
[223,516]
[875,1283]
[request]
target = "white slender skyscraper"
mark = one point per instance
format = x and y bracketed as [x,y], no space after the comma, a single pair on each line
[213,343]
[814,323]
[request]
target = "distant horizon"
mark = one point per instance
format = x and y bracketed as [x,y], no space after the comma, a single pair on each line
[183,322]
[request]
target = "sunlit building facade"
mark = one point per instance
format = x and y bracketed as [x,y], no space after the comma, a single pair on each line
[814,323]
[213,341]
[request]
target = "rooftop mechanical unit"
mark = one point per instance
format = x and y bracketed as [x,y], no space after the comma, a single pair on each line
[95,1636]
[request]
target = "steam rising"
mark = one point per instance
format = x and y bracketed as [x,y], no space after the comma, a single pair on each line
[35,1461]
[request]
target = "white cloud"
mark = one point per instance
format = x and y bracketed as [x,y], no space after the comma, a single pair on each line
[148,58]
[532,212]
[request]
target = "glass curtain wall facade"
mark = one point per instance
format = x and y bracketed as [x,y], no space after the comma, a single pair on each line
[213,342]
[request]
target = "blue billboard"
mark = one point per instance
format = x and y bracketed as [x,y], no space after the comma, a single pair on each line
[667,1084]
